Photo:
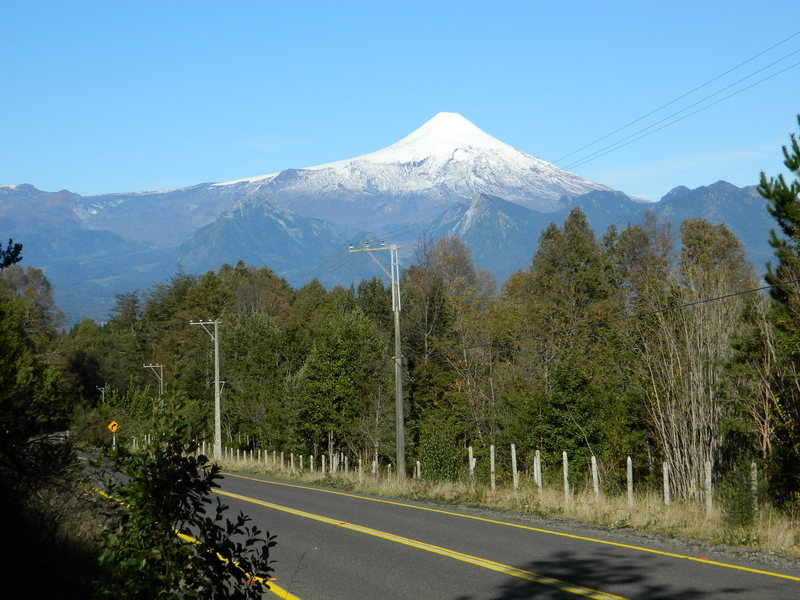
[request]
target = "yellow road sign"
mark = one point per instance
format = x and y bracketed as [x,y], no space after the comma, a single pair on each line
[113,426]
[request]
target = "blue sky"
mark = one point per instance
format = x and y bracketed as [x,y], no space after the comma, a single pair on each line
[119,96]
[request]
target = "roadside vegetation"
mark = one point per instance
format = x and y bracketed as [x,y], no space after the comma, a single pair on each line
[767,531]
[653,341]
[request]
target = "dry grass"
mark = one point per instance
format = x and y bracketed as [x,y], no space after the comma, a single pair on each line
[771,531]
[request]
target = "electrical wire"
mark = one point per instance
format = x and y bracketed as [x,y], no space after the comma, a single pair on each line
[619,144]
[678,98]
[606,322]
[681,97]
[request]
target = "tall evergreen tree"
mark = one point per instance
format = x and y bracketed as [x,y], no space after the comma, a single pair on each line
[783,203]
[11,255]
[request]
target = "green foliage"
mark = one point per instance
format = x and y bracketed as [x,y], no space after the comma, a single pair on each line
[11,255]
[329,393]
[783,204]
[740,496]
[439,454]
[166,491]
[30,403]
[255,375]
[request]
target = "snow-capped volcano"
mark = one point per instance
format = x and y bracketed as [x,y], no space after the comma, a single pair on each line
[442,137]
[446,161]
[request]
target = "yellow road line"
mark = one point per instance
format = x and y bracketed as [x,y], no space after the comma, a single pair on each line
[526,527]
[473,560]
[270,585]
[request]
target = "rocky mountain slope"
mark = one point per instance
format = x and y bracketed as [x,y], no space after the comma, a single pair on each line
[446,178]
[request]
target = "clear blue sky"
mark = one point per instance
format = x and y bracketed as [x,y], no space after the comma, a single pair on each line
[119,96]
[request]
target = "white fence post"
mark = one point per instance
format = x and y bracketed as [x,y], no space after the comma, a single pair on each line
[419,470]
[595,478]
[515,473]
[667,499]
[537,470]
[754,486]
[323,464]
[492,466]
[565,463]
[709,490]
[471,466]
[630,480]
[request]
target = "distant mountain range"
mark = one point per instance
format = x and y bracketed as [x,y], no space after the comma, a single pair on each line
[447,178]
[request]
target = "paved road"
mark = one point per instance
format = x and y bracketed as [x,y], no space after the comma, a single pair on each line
[334,545]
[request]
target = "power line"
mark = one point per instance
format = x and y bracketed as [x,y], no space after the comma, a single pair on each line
[607,322]
[622,143]
[682,96]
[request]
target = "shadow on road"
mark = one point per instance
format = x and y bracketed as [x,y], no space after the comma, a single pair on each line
[639,578]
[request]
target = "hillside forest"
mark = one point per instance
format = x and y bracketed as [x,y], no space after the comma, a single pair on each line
[655,341]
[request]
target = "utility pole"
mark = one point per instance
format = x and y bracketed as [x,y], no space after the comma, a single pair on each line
[394,276]
[159,375]
[217,413]
[102,393]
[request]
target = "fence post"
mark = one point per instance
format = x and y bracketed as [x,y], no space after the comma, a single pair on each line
[419,470]
[754,487]
[565,463]
[323,464]
[491,466]
[389,471]
[709,490]
[471,466]
[667,499]
[595,478]
[291,463]
[360,472]
[301,462]
[515,474]
[630,481]
[537,470]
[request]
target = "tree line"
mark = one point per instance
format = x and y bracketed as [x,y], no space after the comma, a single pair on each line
[647,342]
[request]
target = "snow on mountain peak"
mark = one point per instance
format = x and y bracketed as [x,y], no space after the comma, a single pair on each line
[443,162]
[442,136]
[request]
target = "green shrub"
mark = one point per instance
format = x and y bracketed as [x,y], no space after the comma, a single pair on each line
[166,491]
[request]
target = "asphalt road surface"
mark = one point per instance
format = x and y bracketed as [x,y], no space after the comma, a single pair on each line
[334,545]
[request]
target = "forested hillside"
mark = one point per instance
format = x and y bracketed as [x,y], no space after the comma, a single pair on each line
[613,347]
[626,345]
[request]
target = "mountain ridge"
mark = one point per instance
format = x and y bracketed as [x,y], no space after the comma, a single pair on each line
[447,177]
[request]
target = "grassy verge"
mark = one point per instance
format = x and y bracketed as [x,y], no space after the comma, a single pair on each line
[51,532]
[770,532]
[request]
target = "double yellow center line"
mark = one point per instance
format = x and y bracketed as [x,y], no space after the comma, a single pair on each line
[466,558]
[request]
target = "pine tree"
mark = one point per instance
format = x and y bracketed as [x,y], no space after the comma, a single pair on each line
[784,205]
[11,255]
